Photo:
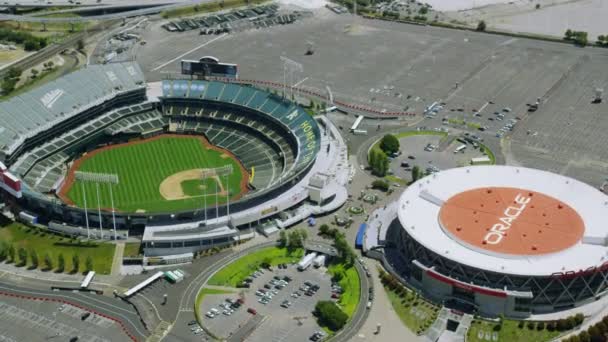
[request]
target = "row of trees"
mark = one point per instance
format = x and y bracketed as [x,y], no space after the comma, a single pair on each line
[29,41]
[602,40]
[21,256]
[347,254]
[577,37]
[596,332]
[294,239]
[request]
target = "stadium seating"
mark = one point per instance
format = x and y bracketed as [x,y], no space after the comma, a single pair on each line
[44,167]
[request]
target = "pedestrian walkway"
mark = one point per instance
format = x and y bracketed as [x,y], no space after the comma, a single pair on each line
[383,314]
[117,261]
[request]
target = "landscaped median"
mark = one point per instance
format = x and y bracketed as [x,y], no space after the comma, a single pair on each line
[234,274]
[415,312]
[40,243]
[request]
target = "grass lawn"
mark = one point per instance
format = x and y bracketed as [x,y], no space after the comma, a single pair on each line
[207,8]
[509,332]
[34,239]
[36,28]
[416,313]
[489,153]
[142,167]
[351,285]
[131,249]
[395,179]
[242,268]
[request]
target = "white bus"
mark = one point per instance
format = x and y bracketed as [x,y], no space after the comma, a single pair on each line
[460,148]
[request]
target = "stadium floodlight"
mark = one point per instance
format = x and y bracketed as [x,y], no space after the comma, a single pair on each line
[218,172]
[290,67]
[98,178]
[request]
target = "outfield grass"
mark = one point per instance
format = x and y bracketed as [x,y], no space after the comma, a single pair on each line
[350,284]
[142,167]
[509,332]
[242,268]
[34,239]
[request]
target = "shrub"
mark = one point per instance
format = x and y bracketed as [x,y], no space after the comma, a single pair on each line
[380,185]
[481,26]
[531,325]
[520,324]
[330,315]
[540,326]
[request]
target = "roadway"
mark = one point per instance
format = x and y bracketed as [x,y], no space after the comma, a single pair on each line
[122,15]
[112,308]
[186,304]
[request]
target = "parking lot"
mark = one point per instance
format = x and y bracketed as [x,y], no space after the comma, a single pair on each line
[283,312]
[237,20]
[431,153]
[28,320]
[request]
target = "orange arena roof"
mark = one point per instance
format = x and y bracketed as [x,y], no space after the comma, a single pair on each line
[511,221]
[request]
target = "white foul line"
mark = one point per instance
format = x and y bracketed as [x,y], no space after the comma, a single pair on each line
[188,52]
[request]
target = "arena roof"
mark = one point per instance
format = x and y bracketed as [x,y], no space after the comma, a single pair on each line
[30,113]
[508,219]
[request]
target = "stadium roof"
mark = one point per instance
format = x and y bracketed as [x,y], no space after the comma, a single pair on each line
[508,219]
[30,113]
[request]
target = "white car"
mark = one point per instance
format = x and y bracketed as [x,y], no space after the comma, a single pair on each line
[209,314]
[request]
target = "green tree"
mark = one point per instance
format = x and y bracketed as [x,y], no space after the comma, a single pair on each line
[282,238]
[34,258]
[380,185]
[380,163]
[22,253]
[11,252]
[88,264]
[324,229]
[48,262]
[389,144]
[600,39]
[416,173]
[584,336]
[3,250]
[75,263]
[34,73]
[80,45]
[568,34]
[330,315]
[481,26]
[60,263]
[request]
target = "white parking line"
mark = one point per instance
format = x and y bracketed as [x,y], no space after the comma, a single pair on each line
[300,82]
[188,52]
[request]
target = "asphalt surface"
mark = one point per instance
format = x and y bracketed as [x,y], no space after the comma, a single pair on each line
[112,308]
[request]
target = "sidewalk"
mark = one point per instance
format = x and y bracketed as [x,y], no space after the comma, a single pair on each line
[392,329]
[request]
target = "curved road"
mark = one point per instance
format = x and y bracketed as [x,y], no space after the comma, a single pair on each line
[189,297]
[113,309]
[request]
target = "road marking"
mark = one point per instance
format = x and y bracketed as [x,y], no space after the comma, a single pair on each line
[300,82]
[188,52]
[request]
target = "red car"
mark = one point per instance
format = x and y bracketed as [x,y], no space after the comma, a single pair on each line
[252,311]
[335,296]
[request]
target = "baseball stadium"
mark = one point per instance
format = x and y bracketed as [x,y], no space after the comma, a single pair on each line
[190,163]
[496,240]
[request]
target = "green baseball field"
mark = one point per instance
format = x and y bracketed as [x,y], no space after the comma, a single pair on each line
[160,174]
